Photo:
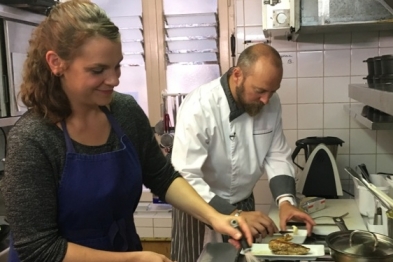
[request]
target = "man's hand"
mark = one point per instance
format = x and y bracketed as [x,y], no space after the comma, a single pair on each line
[290,212]
[259,223]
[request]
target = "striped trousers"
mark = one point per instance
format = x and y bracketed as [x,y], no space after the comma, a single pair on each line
[188,233]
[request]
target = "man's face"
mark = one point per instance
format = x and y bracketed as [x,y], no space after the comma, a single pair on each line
[251,108]
[255,89]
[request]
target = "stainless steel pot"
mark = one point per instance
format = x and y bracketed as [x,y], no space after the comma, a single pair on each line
[360,246]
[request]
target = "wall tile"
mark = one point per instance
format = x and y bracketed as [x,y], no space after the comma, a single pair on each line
[353,124]
[337,63]
[369,160]
[310,116]
[291,137]
[358,80]
[240,39]
[162,232]
[239,13]
[288,91]
[341,162]
[358,67]
[280,43]
[335,116]
[262,193]
[143,221]
[289,61]
[362,141]
[289,117]
[336,89]
[254,33]
[337,41]
[162,221]
[365,39]
[313,42]
[385,142]
[253,9]
[386,39]
[343,134]
[310,64]
[145,231]
[310,90]
[385,163]
[307,133]
[386,51]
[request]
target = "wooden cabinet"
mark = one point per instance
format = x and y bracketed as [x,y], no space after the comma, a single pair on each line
[158,245]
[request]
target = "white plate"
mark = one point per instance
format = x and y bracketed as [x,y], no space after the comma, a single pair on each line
[262,251]
[299,238]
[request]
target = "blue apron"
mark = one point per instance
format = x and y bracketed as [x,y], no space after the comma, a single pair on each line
[98,195]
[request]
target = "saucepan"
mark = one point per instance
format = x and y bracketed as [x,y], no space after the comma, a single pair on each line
[360,246]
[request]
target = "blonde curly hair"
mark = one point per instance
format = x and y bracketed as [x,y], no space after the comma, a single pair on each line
[64,31]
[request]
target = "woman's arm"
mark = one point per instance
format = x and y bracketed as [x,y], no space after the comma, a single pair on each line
[183,196]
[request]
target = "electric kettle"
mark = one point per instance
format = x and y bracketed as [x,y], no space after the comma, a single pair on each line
[308,144]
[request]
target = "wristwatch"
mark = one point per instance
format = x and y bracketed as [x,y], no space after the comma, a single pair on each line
[238,212]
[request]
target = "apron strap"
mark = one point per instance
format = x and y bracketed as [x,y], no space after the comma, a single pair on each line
[119,132]
[70,146]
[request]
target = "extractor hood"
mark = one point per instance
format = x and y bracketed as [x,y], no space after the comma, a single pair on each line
[297,17]
[36,6]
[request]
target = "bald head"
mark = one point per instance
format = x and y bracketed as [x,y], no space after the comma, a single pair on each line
[259,52]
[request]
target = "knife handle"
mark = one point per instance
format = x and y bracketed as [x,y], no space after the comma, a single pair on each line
[296,223]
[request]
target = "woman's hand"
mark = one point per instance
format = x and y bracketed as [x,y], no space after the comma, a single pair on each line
[222,224]
[147,256]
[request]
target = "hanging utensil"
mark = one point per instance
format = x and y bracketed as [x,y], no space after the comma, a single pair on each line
[233,49]
[174,109]
[365,173]
[385,200]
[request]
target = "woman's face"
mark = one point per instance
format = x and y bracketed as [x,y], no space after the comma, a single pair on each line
[91,76]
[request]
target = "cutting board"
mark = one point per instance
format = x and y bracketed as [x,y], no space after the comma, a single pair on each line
[334,207]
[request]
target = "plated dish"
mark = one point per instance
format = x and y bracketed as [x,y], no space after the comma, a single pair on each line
[262,251]
[298,237]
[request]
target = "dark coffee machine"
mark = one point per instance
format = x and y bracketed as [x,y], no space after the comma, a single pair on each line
[319,177]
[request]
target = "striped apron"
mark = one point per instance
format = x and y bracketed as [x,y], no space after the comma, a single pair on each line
[188,233]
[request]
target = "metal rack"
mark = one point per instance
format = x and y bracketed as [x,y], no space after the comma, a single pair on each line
[380,100]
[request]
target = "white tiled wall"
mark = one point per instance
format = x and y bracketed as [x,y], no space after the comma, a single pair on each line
[317,71]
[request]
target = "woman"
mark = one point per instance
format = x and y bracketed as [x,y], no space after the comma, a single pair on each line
[77,159]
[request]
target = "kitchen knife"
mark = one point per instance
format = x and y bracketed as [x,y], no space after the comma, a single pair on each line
[302,224]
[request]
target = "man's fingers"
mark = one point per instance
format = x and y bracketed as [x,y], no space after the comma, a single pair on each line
[268,224]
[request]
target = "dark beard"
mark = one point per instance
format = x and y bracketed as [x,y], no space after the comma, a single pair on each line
[252,109]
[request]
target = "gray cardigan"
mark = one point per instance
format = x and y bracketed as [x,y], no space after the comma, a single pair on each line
[34,164]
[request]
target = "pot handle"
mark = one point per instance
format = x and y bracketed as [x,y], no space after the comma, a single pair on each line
[362,231]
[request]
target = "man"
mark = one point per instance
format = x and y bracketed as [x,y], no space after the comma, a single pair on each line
[228,133]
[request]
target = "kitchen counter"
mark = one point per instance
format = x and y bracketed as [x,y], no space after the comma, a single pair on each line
[334,207]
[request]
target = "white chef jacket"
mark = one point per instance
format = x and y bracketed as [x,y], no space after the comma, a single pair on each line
[227,157]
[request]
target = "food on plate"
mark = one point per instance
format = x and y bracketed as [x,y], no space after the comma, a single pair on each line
[283,246]
[295,230]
